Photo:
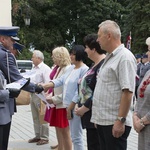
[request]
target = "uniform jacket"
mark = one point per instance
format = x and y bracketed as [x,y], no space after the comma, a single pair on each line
[11,73]
[5,116]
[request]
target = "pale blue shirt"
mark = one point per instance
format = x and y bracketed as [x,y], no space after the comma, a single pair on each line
[70,84]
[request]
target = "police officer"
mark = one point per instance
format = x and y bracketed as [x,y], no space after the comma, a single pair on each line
[145,67]
[8,35]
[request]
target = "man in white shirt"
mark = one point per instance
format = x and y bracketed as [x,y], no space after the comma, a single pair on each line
[41,75]
[114,89]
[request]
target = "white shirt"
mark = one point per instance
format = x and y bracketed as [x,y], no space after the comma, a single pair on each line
[41,73]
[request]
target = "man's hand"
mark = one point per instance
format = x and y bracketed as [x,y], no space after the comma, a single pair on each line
[118,129]
[13,93]
[38,88]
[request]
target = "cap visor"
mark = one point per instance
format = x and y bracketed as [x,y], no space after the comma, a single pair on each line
[15,38]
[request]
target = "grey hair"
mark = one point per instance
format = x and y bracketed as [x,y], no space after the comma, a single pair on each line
[148,41]
[112,27]
[39,54]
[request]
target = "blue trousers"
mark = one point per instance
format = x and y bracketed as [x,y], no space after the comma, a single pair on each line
[76,132]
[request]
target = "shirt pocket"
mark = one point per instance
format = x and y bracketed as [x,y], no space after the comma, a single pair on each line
[108,74]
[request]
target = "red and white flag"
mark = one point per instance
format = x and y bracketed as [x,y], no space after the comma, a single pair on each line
[128,44]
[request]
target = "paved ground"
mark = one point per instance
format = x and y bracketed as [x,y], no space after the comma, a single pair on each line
[22,130]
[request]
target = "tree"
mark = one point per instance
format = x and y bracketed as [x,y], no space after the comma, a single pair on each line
[59,22]
[56,22]
[137,21]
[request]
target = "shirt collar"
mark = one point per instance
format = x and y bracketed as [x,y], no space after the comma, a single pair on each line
[39,65]
[118,49]
[146,63]
[115,51]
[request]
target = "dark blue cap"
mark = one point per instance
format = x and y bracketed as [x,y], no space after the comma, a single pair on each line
[19,47]
[138,56]
[9,31]
[145,56]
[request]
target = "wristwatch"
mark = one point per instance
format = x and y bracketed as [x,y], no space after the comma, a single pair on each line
[122,119]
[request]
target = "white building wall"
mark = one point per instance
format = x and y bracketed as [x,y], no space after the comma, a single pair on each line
[5,13]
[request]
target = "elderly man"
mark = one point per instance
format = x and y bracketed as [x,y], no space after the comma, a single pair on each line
[8,35]
[42,72]
[114,89]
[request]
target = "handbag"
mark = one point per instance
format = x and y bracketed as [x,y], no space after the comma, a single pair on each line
[42,110]
[23,98]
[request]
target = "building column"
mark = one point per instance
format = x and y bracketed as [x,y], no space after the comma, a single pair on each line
[5,13]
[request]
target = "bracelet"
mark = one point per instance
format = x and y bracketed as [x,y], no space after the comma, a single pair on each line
[142,123]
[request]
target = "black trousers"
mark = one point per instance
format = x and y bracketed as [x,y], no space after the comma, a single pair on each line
[93,140]
[4,136]
[109,142]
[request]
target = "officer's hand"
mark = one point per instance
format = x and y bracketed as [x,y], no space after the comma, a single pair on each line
[13,93]
[38,88]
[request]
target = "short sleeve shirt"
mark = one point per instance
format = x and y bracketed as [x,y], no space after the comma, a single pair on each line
[117,73]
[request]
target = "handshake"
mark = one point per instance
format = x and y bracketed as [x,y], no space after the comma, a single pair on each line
[38,88]
[14,93]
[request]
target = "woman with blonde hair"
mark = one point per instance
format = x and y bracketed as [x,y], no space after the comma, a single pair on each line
[69,81]
[58,114]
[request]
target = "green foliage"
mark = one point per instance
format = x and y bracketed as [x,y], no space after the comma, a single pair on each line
[61,22]
[47,58]
[137,21]
[25,55]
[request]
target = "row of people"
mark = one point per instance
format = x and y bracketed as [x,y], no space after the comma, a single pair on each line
[111,98]
[107,95]
[101,95]
[70,82]
[69,96]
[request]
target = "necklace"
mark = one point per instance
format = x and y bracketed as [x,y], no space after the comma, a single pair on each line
[144,86]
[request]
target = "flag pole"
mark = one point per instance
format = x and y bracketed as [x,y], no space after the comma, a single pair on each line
[128,44]
[130,40]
